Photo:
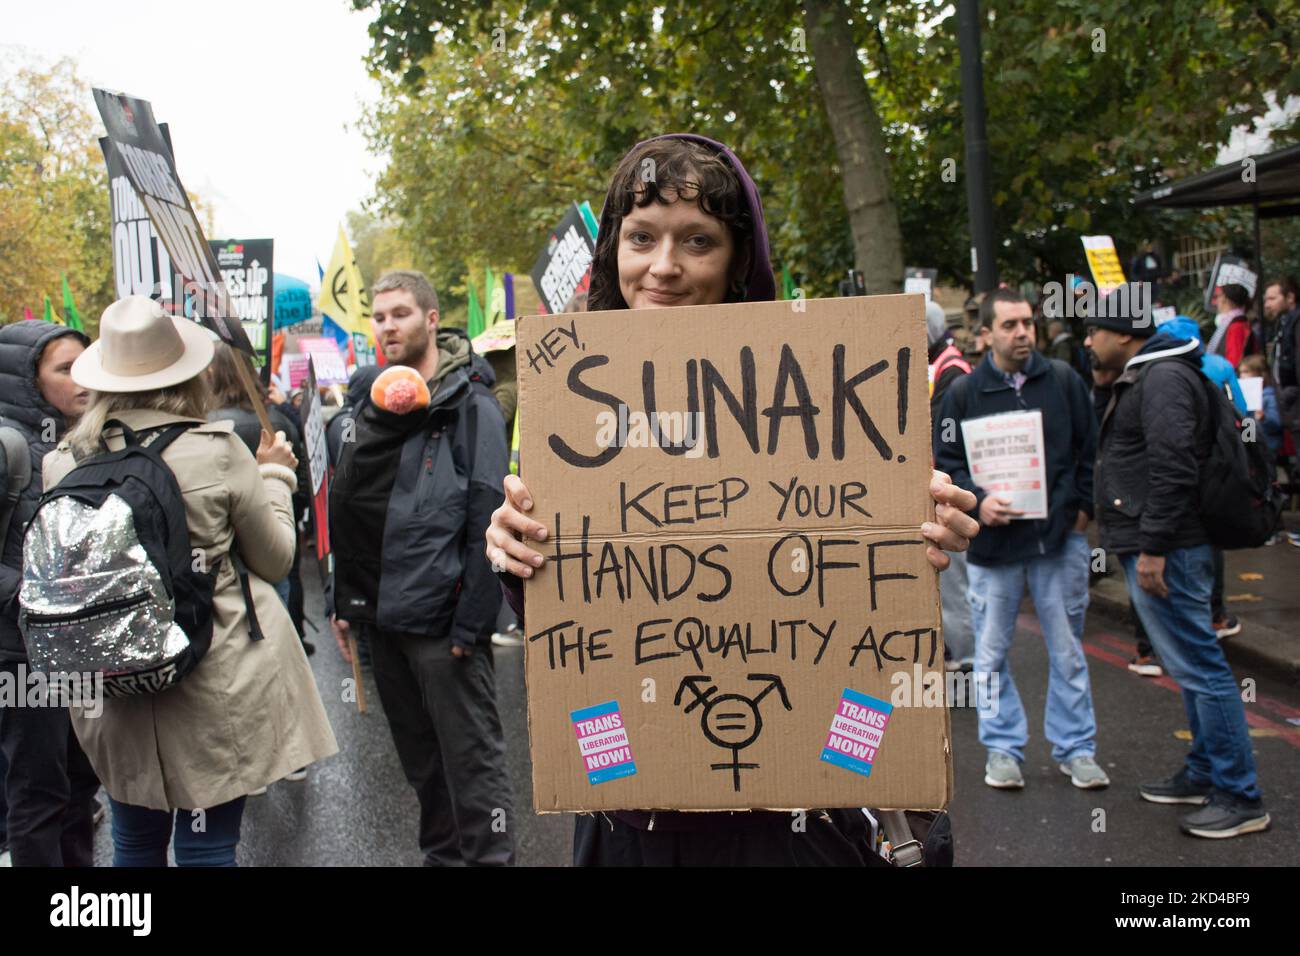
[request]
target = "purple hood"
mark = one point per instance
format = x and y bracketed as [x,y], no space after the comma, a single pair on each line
[760,284]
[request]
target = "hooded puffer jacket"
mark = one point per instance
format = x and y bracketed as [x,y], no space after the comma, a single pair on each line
[1154,435]
[23,408]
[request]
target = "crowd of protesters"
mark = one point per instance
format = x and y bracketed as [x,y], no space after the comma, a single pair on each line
[432,532]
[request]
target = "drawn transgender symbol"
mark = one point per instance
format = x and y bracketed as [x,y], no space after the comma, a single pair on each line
[732,721]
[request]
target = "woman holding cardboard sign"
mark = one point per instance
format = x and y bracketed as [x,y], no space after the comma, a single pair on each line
[683,225]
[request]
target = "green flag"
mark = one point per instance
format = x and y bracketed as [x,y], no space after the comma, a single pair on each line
[72,319]
[474,325]
[787,284]
[488,293]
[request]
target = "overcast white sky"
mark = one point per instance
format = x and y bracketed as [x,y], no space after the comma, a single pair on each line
[257,94]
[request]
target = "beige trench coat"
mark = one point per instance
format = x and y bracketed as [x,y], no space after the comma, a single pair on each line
[250,712]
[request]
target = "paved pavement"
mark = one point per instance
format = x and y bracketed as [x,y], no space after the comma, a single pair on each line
[356,808]
[1262,589]
[1141,735]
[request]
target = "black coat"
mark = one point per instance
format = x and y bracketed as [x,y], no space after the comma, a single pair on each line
[410,506]
[1154,435]
[249,429]
[1069,437]
[23,408]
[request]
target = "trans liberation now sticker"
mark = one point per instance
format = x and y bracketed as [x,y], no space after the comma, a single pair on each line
[856,732]
[603,743]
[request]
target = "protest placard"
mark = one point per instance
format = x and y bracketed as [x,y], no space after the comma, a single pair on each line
[313,435]
[329,366]
[141,265]
[293,368]
[564,266]
[1229,270]
[1103,260]
[1252,390]
[920,280]
[147,161]
[246,267]
[1005,456]
[736,610]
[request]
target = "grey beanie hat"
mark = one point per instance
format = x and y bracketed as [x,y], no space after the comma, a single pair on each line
[936,322]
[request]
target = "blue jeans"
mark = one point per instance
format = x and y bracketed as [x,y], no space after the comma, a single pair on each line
[141,835]
[958,638]
[1058,583]
[1179,629]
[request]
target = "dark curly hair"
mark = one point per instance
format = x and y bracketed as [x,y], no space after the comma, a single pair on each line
[664,170]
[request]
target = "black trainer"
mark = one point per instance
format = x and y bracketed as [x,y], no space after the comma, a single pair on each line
[1226,816]
[1177,789]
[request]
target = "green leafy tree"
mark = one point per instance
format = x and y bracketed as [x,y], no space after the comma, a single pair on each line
[54,215]
[494,119]
[547,97]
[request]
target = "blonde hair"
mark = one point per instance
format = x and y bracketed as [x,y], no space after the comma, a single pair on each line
[190,399]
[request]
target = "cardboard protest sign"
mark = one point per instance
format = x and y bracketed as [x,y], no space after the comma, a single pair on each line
[313,434]
[1005,456]
[736,610]
[564,267]
[246,267]
[1229,270]
[148,163]
[1103,260]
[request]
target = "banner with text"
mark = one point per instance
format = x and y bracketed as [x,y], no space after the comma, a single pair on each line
[564,266]
[736,609]
[246,267]
[147,159]
[1005,456]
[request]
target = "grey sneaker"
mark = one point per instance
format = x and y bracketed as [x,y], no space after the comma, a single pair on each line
[1085,774]
[1003,772]
[1226,816]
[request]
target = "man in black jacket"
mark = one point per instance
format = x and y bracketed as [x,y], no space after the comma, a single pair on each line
[1282,306]
[50,786]
[1154,432]
[411,502]
[1049,554]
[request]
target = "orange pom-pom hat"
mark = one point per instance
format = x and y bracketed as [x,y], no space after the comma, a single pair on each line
[400,390]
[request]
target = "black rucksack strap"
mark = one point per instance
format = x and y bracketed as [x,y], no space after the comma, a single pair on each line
[155,443]
[159,436]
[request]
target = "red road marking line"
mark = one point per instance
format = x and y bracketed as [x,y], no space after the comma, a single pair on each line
[1268,703]
[1289,734]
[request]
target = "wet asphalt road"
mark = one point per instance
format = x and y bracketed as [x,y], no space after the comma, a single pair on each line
[357,809]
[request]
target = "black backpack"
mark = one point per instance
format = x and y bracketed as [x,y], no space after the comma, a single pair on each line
[1241,502]
[109,582]
[1286,350]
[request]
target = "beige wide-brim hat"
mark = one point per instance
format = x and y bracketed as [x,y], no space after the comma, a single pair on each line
[142,348]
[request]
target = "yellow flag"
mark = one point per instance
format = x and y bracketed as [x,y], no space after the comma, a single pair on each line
[343,295]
